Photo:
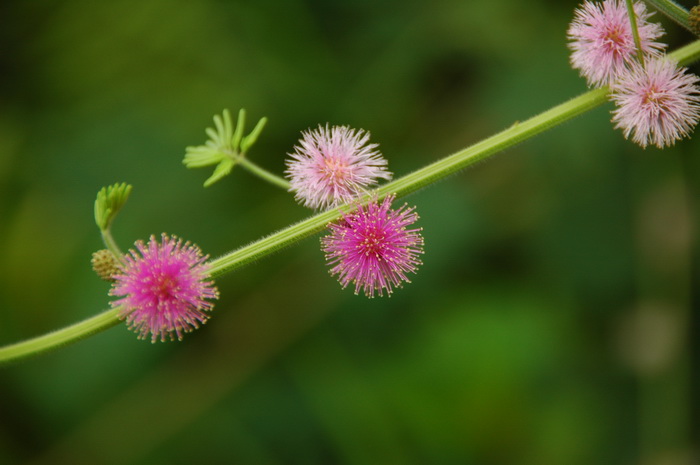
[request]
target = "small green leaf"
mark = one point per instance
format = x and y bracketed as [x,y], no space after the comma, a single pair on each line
[198,157]
[109,201]
[250,139]
[238,134]
[225,145]
[222,169]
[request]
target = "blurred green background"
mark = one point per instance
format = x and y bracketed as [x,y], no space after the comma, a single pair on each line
[553,320]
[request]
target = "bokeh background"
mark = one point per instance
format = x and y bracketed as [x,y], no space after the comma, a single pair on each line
[554,320]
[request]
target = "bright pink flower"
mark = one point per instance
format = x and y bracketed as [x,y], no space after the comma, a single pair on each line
[657,103]
[334,166]
[163,288]
[372,248]
[602,43]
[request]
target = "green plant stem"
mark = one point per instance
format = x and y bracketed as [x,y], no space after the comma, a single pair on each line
[405,185]
[111,244]
[61,337]
[240,159]
[262,173]
[418,179]
[673,10]
[687,54]
[433,172]
[635,31]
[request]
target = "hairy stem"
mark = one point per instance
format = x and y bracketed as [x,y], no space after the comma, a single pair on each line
[405,185]
[61,337]
[418,179]
[673,10]
[435,171]
[635,31]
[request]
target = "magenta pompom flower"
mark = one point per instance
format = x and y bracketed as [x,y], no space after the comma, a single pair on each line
[602,43]
[657,103]
[372,247]
[332,166]
[164,287]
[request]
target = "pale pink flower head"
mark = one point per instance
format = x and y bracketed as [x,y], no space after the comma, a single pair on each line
[372,247]
[332,166]
[602,43]
[657,103]
[164,288]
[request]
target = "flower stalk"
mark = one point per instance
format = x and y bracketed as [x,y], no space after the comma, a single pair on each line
[262,173]
[400,187]
[111,244]
[635,30]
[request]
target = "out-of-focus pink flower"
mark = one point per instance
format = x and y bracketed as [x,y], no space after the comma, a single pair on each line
[602,43]
[332,166]
[657,104]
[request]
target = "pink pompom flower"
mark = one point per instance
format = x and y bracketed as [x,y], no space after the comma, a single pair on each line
[164,288]
[658,103]
[372,247]
[602,43]
[332,166]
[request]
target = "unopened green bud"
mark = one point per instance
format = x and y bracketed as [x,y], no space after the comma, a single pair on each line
[105,264]
[694,20]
